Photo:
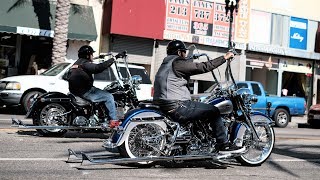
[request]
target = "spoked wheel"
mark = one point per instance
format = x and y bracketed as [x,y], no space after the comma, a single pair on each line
[144,140]
[258,151]
[51,115]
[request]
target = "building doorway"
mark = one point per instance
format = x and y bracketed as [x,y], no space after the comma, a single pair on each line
[296,84]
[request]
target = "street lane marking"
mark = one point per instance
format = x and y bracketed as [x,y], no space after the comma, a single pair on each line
[33,159]
[294,160]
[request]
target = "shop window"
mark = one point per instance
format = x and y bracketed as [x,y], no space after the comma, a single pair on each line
[7,53]
[317,41]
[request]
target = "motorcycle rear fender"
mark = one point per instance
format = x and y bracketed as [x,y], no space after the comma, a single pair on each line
[140,116]
[48,97]
[256,118]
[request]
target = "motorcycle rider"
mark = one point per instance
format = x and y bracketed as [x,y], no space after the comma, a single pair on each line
[171,92]
[81,82]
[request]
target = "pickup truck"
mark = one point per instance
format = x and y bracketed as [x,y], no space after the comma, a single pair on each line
[282,108]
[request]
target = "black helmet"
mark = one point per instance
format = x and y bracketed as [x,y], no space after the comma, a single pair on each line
[85,51]
[174,46]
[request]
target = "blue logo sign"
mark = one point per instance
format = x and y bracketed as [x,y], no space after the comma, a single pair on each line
[298,33]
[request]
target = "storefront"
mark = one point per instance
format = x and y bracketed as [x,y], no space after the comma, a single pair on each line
[26,33]
[282,71]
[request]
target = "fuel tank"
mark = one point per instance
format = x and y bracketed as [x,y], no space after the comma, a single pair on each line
[224,105]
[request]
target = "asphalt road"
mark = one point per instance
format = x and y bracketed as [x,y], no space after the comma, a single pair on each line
[25,155]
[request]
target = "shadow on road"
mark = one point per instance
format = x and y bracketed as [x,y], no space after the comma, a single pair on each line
[15,110]
[304,125]
[173,166]
[70,134]
[295,152]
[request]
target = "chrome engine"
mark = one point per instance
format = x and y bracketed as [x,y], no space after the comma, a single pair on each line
[83,121]
[80,121]
[194,143]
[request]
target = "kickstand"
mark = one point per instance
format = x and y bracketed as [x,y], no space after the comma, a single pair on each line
[17,122]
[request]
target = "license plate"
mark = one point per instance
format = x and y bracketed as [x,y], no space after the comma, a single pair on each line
[316,117]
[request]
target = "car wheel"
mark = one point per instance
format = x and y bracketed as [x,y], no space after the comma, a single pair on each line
[281,118]
[26,99]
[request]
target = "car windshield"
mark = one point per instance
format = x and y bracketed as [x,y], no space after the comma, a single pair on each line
[136,71]
[55,69]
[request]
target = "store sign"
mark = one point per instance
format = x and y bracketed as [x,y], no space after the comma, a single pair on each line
[205,22]
[242,22]
[201,39]
[178,15]
[270,63]
[298,33]
[35,32]
[266,48]
[222,22]
[201,17]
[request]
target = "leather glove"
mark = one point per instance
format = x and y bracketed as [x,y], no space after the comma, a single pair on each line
[228,55]
[121,55]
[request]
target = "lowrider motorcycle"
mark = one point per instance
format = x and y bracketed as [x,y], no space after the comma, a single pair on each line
[148,135]
[53,113]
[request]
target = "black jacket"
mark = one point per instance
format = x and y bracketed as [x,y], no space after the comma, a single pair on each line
[186,68]
[80,77]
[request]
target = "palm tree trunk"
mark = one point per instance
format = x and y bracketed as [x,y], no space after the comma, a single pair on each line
[59,50]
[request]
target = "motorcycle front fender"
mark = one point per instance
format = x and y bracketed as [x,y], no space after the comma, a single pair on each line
[257,118]
[47,97]
[136,117]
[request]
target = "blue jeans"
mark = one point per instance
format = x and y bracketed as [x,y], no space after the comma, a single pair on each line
[192,110]
[98,95]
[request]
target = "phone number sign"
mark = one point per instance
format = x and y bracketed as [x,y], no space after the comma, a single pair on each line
[201,17]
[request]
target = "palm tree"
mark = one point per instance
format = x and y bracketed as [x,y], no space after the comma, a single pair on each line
[41,8]
[59,50]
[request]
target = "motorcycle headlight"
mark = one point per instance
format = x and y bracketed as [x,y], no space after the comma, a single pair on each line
[10,85]
[247,96]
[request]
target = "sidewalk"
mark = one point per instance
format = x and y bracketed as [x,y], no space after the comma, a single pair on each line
[300,121]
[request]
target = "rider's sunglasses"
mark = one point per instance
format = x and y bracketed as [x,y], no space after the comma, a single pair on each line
[184,51]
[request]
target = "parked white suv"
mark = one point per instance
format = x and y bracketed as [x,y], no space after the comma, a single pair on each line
[17,90]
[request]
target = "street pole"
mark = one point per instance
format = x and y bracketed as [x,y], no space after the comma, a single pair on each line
[231,5]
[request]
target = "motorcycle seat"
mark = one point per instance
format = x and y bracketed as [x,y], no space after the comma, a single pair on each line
[78,100]
[148,105]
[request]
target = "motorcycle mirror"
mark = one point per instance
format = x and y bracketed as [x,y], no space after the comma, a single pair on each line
[191,49]
[136,79]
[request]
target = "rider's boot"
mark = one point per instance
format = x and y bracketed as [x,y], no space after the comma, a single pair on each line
[227,148]
[110,124]
[114,123]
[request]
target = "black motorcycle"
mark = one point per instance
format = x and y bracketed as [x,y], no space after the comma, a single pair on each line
[54,113]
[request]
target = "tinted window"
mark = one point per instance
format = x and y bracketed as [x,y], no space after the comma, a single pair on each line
[242,85]
[256,89]
[106,75]
[55,70]
[136,71]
